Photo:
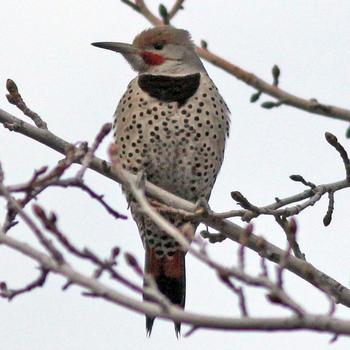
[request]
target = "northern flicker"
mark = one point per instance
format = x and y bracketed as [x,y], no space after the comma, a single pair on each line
[171,124]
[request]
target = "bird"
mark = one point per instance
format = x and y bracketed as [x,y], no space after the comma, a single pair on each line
[170,125]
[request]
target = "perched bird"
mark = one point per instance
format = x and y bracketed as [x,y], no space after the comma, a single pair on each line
[172,125]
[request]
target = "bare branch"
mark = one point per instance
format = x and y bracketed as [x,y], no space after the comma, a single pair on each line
[50,224]
[232,231]
[16,99]
[36,185]
[37,283]
[243,201]
[178,5]
[42,180]
[308,322]
[74,182]
[299,178]
[290,229]
[105,130]
[50,247]
[328,217]
[143,8]
[131,4]
[276,209]
[333,141]
[282,96]
[239,292]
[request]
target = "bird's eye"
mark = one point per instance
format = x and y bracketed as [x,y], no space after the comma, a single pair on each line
[158,46]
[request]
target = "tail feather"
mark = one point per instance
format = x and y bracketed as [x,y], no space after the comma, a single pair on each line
[170,276]
[149,325]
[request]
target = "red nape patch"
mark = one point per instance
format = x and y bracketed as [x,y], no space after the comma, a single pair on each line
[151,58]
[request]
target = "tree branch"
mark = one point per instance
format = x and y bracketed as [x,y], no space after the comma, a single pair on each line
[282,96]
[276,292]
[37,283]
[16,99]
[178,5]
[308,322]
[232,231]
[276,209]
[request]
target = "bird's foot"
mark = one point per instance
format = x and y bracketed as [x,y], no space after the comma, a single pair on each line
[202,207]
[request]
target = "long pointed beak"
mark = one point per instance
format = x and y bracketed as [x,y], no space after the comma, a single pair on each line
[117,47]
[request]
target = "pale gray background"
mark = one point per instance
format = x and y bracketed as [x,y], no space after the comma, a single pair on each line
[45,48]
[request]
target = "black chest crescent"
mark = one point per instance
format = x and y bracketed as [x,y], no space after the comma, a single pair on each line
[168,88]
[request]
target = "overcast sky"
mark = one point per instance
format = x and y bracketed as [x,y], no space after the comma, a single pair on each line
[45,48]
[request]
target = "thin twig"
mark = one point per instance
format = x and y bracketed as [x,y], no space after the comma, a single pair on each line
[238,291]
[299,178]
[50,223]
[131,4]
[74,182]
[16,99]
[178,5]
[143,8]
[37,283]
[105,130]
[290,229]
[333,141]
[328,217]
[312,196]
[243,202]
[50,247]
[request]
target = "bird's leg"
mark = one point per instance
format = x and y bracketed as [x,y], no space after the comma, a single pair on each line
[140,183]
[141,179]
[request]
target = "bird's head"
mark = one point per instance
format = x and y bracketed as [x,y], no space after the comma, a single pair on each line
[160,50]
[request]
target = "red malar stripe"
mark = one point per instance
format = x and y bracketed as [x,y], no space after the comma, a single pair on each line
[151,58]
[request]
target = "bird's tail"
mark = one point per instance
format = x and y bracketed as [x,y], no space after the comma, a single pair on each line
[169,274]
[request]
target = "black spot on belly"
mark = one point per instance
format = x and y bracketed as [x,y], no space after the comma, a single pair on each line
[170,89]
